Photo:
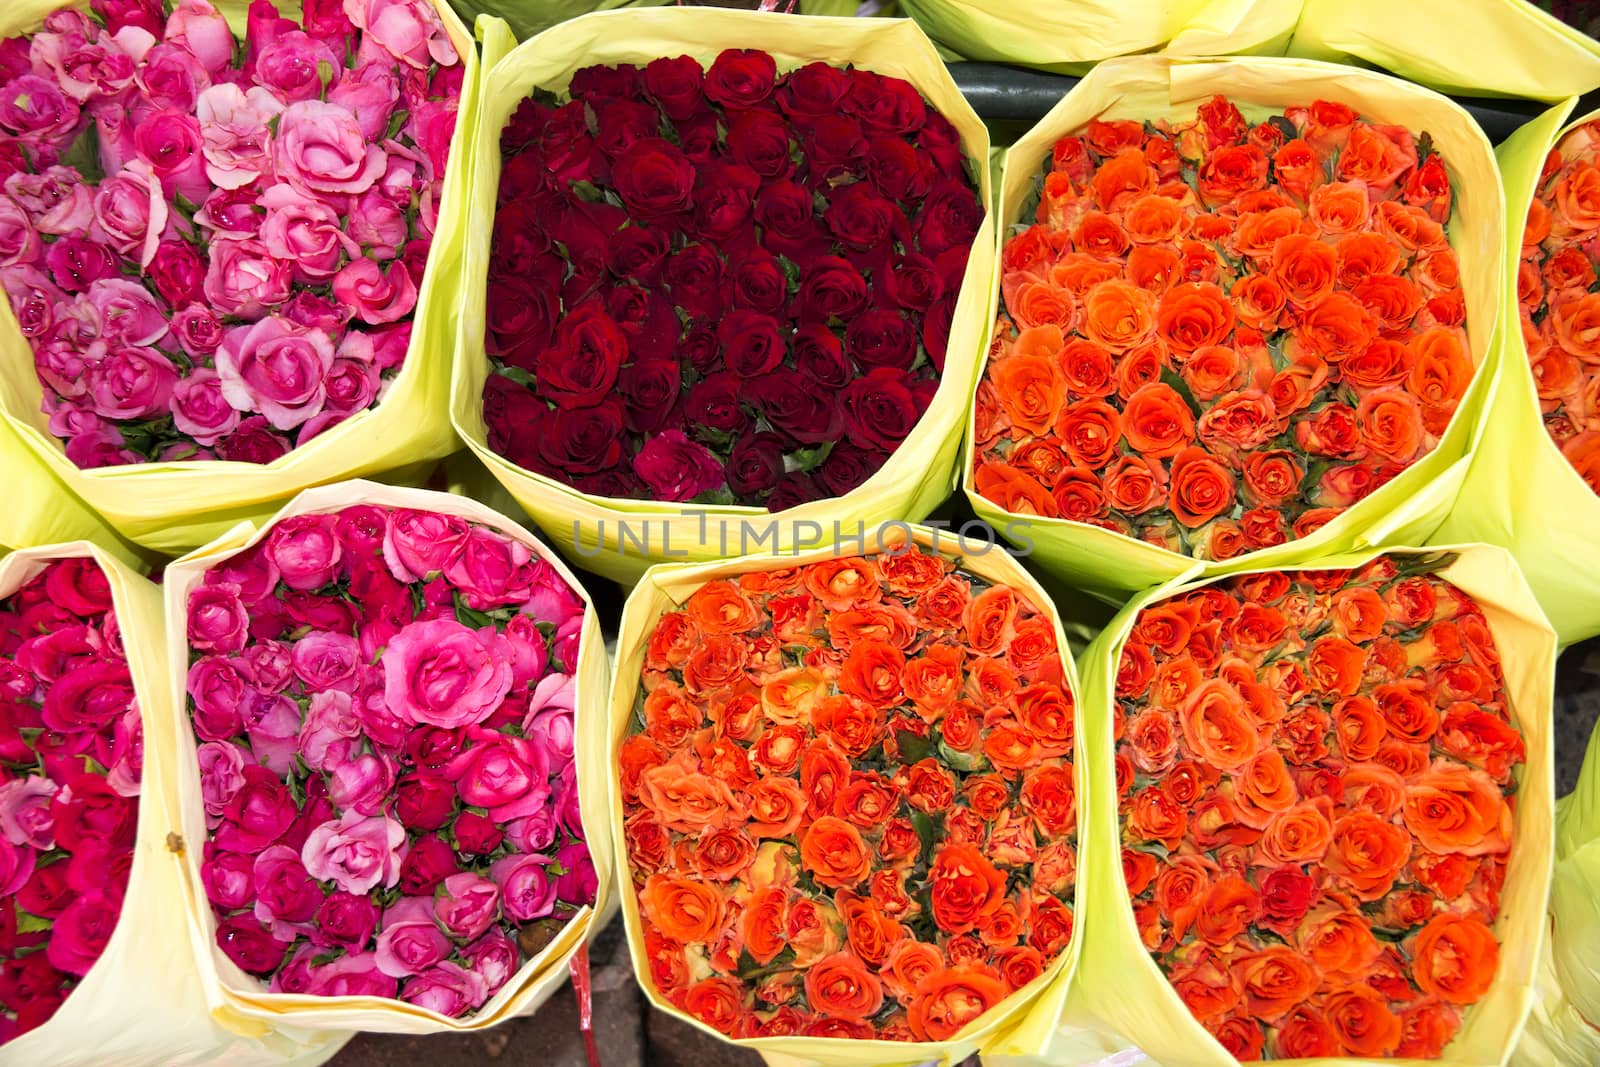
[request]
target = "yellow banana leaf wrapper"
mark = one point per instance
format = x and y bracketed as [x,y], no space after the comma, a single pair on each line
[142,1003]
[1520,491]
[621,538]
[42,510]
[1024,1018]
[173,507]
[241,1002]
[529,17]
[1070,37]
[1466,47]
[1567,994]
[1411,506]
[1120,990]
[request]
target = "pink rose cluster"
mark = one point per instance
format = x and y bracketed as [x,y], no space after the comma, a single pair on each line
[71,756]
[214,247]
[383,701]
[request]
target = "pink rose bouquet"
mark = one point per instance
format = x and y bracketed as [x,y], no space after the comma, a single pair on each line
[71,756]
[382,702]
[214,247]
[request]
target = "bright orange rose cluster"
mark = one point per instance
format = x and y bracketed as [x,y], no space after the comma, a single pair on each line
[849,806]
[1315,771]
[1219,335]
[1560,315]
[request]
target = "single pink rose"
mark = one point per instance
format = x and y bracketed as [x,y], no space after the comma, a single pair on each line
[231,214]
[327,661]
[410,940]
[351,386]
[132,383]
[533,833]
[235,133]
[169,141]
[526,886]
[125,772]
[291,66]
[345,919]
[35,109]
[221,774]
[433,126]
[217,691]
[447,988]
[25,817]
[197,26]
[245,280]
[114,128]
[357,853]
[390,344]
[579,883]
[507,775]
[569,638]
[370,92]
[553,600]
[178,273]
[491,570]
[548,722]
[319,149]
[284,891]
[306,552]
[495,957]
[130,211]
[353,975]
[86,71]
[80,934]
[200,410]
[129,314]
[379,224]
[252,442]
[272,723]
[330,721]
[276,368]
[469,905]
[304,231]
[100,447]
[441,673]
[228,879]
[567,806]
[409,30]
[530,653]
[419,545]
[57,201]
[171,76]
[378,294]
[19,241]
[363,783]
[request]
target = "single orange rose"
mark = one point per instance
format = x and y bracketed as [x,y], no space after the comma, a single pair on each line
[1078,272]
[1360,728]
[823,773]
[1411,227]
[1359,613]
[1373,788]
[841,986]
[1263,788]
[1153,219]
[1154,816]
[1577,202]
[687,911]
[1365,255]
[1390,423]
[1050,797]
[929,786]
[1304,266]
[991,620]
[1337,941]
[964,887]
[1194,315]
[843,583]
[1367,854]
[1426,1029]
[1258,231]
[1211,371]
[1039,459]
[1207,988]
[1297,169]
[1141,366]
[1153,739]
[1481,738]
[776,806]
[793,695]
[1441,369]
[933,680]
[1032,301]
[795,617]
[1100,234]
[1157,422]
[1336,665]
[1089,430]
[1450,808]
[1334,329]
[1340,208]
[763,923]
[1046,711]
[1393,301]
[1231,171]
[724,854]
[717,662]
[872,673]
[833,851]
[1304,1034]
[1299,835]
[1088,369]
[1362,1021]
[1015,491]
[1154,267]
[1217,728]
[1273,477]
[948,1000]
[674,637]
[1455,958]
[1118,315]
[718,1002]
[888,623]
[686,800]
[1577,326]
[722,608]
[908,962]
[1030,389]
[1275,980]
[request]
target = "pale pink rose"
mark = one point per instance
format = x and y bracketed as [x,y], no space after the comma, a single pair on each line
[64,365]
[19,241]
[200,410]
[85,70]
[330,721]
[528,890]
[57,201]
[357,853]
[169,141]
[130,211]
[494,956]
[129,313]
[409,30]
[441,673]
[533,833]
[325,660]
[231,214]
[447,988]
[363,783]
[35,109]
[370,92]
[244,279]
[221,774]
[419,545]
[171,76]
[410,940]
[133,41]
[291,66]
[276,368]
[197,26]
[126,769]
[319,149]
[233,129]
[353,975]
[548,722]
[377,223]
[304,231]
[378,294]
[25,816]
[132,383]
[468,905]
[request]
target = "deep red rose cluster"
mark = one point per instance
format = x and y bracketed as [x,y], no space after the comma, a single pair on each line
[722,285]
[71,757]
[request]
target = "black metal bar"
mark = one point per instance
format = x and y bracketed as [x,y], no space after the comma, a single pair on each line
[1007,94]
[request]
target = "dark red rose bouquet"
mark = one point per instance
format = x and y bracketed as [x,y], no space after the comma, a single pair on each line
[723,285]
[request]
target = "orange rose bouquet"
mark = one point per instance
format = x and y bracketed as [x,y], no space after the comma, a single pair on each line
[847,796]
[1243,298]
[1217,334]
[1332,806]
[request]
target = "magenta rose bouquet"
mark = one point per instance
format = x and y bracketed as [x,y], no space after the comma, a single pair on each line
[71,759]
[382,702]
[214,247]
